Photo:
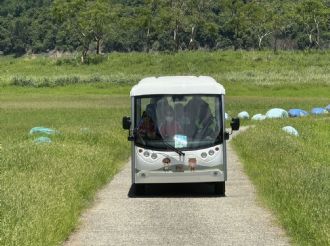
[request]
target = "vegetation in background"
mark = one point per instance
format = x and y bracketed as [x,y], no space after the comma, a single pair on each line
[45,187]
[292,174]
[242,73]
[158,25]
[86,20]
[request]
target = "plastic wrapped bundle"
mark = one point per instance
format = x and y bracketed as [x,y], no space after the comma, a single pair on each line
[243,115]
[41,130]
[319,111]
[258,117]
[226,116]
[277,113]
[41,140]
[328,108]
[297,112]
[290,130]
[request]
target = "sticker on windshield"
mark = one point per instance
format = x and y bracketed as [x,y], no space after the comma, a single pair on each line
[180,141]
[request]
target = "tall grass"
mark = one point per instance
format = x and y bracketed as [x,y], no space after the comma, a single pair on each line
[292,174]
[65,80]
[45,186]
[229,67]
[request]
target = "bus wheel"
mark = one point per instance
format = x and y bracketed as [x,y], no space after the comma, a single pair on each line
[220,188]
[140,189]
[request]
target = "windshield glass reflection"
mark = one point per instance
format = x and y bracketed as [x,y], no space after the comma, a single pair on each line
[182,121]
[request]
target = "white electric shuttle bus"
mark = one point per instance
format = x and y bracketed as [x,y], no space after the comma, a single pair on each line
[178,134]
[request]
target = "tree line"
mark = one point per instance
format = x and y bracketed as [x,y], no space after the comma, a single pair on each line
[37,26]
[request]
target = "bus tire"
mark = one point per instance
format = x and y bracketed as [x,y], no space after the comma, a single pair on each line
[140,189]
[220,188]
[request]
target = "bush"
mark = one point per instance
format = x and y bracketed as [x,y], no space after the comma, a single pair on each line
[22,81]
[74,61]
[95,59]
[68,80]
[45,82]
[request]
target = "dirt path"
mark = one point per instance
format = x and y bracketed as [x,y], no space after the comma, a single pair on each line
[180,217]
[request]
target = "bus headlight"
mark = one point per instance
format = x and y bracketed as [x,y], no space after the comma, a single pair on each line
[146,153]
[154,156]
[204,155]
[211,152]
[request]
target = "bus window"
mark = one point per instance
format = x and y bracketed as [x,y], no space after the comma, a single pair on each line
[194,118]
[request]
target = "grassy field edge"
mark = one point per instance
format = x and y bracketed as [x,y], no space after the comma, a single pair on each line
[45,187]
[290,181]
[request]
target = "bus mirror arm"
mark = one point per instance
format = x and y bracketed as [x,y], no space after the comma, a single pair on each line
[227,135]
[131,137]
[132,134]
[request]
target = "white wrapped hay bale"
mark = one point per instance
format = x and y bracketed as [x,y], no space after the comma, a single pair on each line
[258,117]
[291,130]
[277,113]
[243,115]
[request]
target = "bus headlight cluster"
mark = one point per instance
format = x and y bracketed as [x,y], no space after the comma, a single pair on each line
[204,155]
[154,156]
[211,152]
[147,154]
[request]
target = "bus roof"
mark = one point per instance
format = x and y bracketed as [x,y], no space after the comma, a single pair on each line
[169,85]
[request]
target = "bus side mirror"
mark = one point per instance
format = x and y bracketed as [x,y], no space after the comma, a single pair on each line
[235,124]
[126,122]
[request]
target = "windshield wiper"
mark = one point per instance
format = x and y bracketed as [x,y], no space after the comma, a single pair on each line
[136,133]
[173,148]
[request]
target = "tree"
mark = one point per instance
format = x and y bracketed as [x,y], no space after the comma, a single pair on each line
[148,15]
[314,16]
[95,21]
[86,19]
[5,37]
[177,11]
[283,17]
[259,20]
[202,26]
[142,25]
[20,38]
[234,21]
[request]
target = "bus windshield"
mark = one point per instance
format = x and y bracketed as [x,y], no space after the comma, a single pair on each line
[184,122]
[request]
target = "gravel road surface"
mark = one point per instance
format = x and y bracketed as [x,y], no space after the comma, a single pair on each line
[179,214]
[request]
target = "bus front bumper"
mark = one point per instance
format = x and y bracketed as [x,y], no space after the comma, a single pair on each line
[197,176]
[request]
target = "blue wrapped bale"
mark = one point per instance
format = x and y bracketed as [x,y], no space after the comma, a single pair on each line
[258,117]
[277,113]
[297,112]
[243,115]
[328,108]
[41,140]
[319,111]
[290,130]
[42,130]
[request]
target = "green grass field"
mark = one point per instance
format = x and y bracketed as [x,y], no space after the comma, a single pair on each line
[45,187]
[292,174]
[242,73]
